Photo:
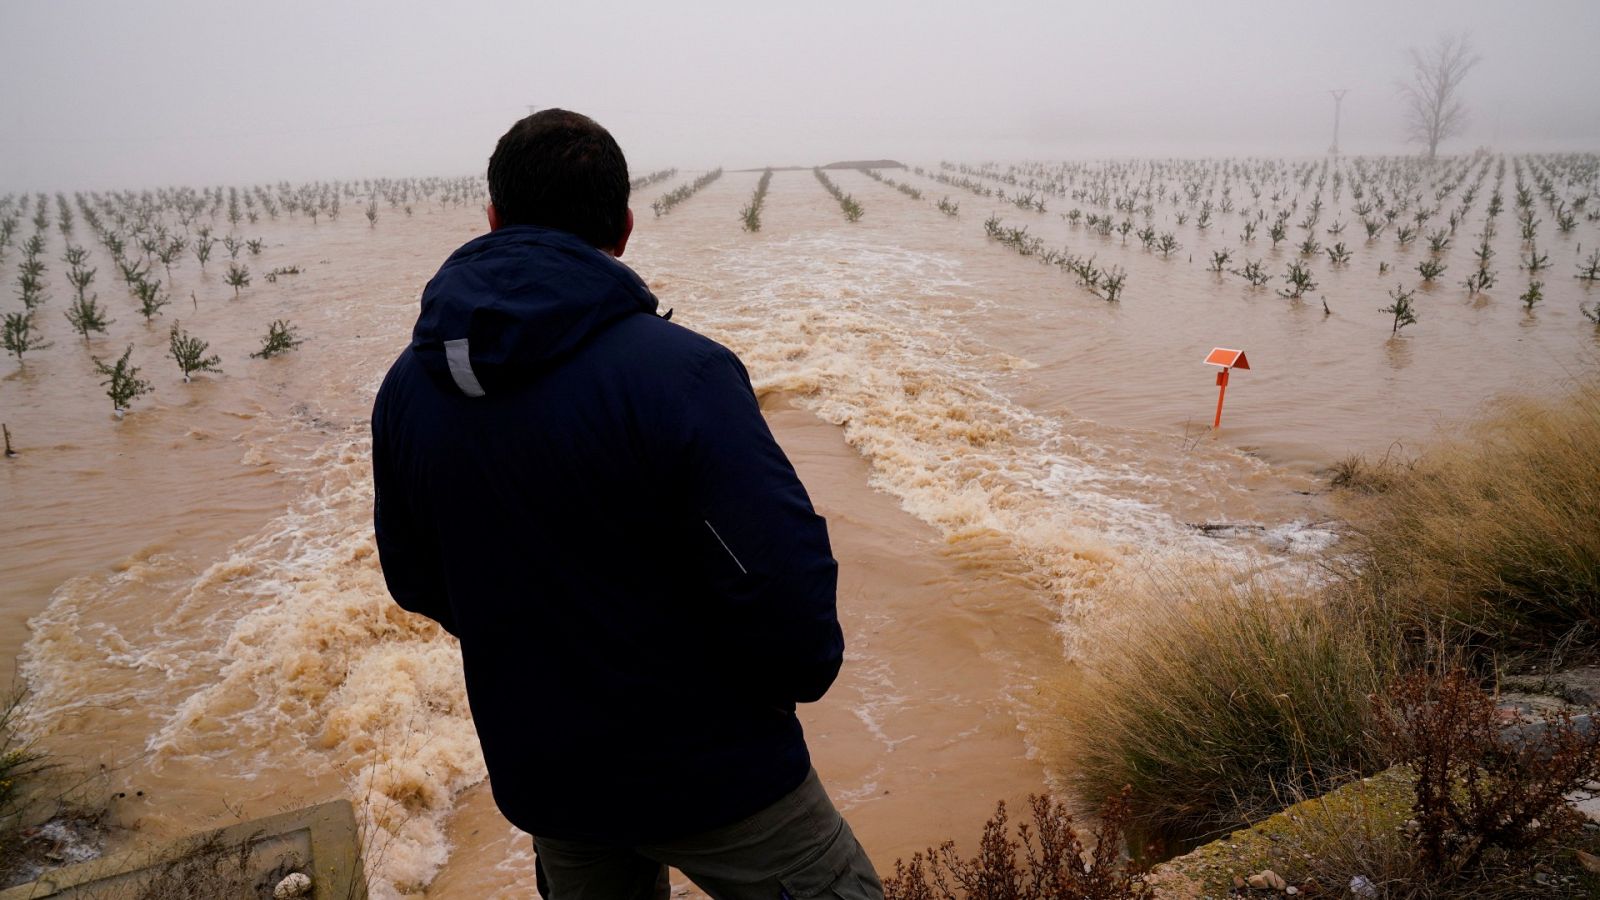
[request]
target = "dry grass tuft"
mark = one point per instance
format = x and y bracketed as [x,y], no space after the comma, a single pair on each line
[1354,473]
[1218,699]
[20,764]
[1498,532]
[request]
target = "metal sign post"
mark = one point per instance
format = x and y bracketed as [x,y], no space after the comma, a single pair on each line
[1227,360]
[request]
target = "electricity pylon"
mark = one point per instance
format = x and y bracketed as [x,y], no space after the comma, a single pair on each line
[1338,101]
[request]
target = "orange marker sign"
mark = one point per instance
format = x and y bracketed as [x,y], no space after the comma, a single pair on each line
[1227,360]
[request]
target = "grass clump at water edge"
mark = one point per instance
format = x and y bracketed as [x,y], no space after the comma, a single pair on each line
[1498,531]
[1215,699]
[19,764]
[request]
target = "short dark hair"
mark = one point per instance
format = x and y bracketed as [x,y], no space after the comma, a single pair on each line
[560,169]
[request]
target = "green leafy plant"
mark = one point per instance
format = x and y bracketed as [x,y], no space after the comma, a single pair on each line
[86,316]
[1430,269]
[1254,272]
[80,279]
[122,383]
[653,178]
[30,289]
[1481,280]
[169,252]
[1533,295]
[151,298]
[1299,278]
[847,204]
[677,195]
[1535,261]
[281,337]
[18,337]
[1402,309]
[1589,269]
[751,213]
[1109,285]
[190,352]
[203,242]
[238,277]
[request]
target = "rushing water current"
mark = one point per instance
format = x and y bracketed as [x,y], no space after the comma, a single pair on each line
[191,592]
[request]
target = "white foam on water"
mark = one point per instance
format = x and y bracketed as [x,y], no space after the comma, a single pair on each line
[288,653]
[868,338]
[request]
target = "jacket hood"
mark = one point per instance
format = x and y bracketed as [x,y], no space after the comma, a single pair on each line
[515,302]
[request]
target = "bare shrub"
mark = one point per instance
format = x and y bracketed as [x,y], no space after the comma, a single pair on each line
[1055,865]
[1480,788]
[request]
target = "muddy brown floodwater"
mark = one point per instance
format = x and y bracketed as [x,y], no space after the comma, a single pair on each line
[192,595]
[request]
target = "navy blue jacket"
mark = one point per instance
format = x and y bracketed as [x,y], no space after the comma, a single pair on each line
[588,497]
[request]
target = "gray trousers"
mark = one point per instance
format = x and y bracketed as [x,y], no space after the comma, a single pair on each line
[797,848]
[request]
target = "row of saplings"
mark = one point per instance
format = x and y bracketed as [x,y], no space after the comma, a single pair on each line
[122,381]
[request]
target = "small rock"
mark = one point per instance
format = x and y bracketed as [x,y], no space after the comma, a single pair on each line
[1291,890]
[1362,886]
[1267,879]
[1589,861]
[1238,883]
[295,884]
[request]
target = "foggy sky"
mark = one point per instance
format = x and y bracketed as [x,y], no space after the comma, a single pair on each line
[122,95]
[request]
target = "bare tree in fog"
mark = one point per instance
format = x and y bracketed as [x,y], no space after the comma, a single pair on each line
[1434,111]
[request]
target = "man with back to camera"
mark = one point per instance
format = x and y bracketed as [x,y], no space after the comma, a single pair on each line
[588,497]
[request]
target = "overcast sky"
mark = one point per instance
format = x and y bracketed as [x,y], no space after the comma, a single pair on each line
[136,94]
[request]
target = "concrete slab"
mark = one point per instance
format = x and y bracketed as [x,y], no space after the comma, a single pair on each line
[240,862]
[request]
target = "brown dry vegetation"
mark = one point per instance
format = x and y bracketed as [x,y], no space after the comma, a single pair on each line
[1219,697]
[1233,697]
[1498,532]
[1055,864]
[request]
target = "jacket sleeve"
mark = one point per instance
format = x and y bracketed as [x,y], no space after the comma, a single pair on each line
[769,560]
[410,560]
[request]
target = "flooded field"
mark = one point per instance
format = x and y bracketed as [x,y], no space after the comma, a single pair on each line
[191,592]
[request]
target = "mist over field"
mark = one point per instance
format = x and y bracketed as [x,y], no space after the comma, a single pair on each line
[106,95]
[1000,371]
